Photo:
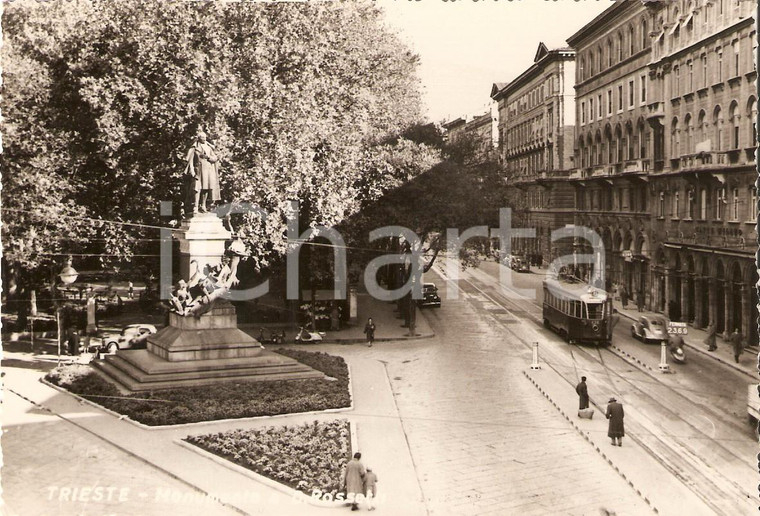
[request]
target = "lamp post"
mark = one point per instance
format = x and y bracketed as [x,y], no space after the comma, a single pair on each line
[68,275]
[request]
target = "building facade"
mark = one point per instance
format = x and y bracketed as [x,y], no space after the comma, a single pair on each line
[665,147]
[704,112]
[535,128]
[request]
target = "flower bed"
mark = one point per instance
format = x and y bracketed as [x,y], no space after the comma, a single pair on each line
[227,400]
[306,457]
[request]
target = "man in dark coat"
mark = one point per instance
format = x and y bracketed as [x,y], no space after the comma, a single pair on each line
[73,342]
[737,342]
[623,296]
[582,390]
[615,414]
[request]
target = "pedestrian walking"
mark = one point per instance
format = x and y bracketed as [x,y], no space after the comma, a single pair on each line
[640,300]
[72,342]
[616,429]
[335,318]
[370,488]
[353,479]
[369,330]
[710,339]
[623,295]
[131,291]
[737,341]
[582,390]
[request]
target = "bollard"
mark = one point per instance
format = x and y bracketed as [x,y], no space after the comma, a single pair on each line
[535,364]
[664,367]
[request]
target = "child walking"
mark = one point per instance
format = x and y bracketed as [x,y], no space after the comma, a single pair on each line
[370,488]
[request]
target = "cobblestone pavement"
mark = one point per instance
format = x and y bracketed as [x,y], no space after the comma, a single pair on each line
[483,439]
[53,467]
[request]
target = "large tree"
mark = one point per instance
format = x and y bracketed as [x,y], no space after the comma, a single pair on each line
[105,97]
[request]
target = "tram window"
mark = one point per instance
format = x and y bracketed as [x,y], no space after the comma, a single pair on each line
[595,310]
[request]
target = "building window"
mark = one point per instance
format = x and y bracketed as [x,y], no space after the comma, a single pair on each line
[620,46]
[631,41]
[736,58]
[583,112]
[610,53]
[620,97]
[690,83]
[631,93]
[719,51]
[582,69]
[704,82]
[703,204]
[599,103]
[676,81]
[718,123]
[734,116]
[609,102]
[690,200]
[591,63]
[720,201]
[675,139]
[752,210]
[753,122]
[735,204]
[591,109]
[643,88]
[661,209]
[676,205]
[644,34]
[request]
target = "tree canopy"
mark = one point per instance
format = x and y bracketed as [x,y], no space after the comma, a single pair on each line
[102,100]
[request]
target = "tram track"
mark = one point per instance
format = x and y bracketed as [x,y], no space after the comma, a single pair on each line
[684,460]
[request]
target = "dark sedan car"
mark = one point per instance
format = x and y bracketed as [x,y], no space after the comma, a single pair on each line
[430,295]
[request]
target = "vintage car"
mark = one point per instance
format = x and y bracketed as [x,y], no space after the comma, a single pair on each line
[649,329]
[430,295]
[134,336]
[520,264]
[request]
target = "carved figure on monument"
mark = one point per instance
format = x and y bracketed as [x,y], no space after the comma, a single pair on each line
[201,175]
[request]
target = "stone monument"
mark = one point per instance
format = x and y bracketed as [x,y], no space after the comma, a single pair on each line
[202,343]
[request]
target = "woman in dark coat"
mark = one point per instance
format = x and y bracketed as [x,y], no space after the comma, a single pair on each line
[616,429]
[582,390]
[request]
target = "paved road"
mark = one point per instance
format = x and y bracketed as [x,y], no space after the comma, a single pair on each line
[483,439]
[693,420]
[54,467]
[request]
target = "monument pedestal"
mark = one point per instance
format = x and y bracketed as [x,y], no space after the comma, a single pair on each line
[201,350]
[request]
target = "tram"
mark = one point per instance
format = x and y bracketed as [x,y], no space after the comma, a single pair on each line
[577,312]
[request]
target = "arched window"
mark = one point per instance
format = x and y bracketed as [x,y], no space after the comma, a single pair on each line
[752,115]
[701,127]
[644,34]
[629,141]
[610,52]
[600,58]
[733,115]
[582,69]
[717,128]
[752,207]
[676,205]
[675,139]
[689,129]
[631,41]
[591,64]
[620,46]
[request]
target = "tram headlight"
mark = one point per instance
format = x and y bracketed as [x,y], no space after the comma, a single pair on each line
[595,327]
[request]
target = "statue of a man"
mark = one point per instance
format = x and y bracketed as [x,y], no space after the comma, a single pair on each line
[203,166]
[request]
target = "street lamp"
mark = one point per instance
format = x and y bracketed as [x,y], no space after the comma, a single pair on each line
[68,276]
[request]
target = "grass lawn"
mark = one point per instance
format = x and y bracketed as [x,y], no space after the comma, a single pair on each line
[226,400]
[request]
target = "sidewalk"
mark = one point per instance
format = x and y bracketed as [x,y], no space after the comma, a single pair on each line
[634,463]
[389,326]
[695,338]
[374,416]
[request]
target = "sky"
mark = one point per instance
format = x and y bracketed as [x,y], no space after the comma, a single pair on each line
[467,45]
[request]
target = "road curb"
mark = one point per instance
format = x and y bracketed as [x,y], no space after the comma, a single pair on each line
[591,442]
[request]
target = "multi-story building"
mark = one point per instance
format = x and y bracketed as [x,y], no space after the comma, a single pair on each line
[455,129]
[613,141]
[535,127]
[480,132]
[665,148]
[704,113]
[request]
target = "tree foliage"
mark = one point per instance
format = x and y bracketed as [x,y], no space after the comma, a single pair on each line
[102,100]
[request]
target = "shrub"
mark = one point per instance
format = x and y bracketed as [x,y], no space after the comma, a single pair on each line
[304,457]
[228,400]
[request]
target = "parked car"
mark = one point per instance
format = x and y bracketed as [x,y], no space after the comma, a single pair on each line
[520,264]
[430,295]
[134,336]
[649,329]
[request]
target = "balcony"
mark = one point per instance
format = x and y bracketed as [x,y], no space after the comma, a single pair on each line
[655,110]
[702,160]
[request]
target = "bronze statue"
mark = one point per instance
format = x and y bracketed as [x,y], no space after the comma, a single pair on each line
[201,175]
